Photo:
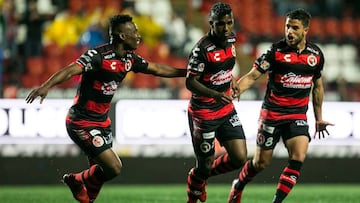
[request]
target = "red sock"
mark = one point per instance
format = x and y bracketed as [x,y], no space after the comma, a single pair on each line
[246,174]
[93,180]
[221,165]
[287,180]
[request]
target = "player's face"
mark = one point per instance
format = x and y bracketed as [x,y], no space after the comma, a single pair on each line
[223,27]
[295,32]
[131,36]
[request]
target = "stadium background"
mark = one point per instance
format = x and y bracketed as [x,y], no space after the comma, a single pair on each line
[169,29]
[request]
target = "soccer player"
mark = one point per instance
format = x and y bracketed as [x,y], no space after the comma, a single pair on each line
[211,113]
[87,122]
[294,67]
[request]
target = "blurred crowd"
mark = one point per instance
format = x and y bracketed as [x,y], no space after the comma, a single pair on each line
[38,37]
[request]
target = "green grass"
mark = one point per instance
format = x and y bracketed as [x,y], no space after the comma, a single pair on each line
[111,193]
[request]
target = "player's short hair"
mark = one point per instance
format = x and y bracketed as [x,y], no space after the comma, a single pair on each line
[219,10]
[117,20]
[300,14]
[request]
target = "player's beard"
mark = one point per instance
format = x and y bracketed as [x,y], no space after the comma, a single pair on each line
[295,41]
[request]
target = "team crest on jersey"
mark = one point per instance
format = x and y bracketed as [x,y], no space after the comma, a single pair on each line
[260,139]
[233,50]
[201,67]
[264,64]
[312,60]
[128,65]
[98,141]
[205,147]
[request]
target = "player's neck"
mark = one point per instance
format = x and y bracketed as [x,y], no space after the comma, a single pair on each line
[301,46]
[119,49]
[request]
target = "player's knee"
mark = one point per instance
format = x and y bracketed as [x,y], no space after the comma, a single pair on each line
[117,169]
[238,161]
[113,171]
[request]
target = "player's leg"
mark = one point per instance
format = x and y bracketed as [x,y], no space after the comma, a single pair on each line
[77,188]
[197,179]
[266,141]
[233,159]
[231,135]
[108,166]
[251,168]
[203,136]
[104,164]
[297,148]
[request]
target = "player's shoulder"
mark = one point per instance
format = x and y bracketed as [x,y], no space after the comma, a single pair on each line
[203,42]
[280,45]
[132,55]
[104,48]
[314,48]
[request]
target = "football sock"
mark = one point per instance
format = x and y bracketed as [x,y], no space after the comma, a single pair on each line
[93,178]
[195,180]
[221,165]
[287,180]
[246,175]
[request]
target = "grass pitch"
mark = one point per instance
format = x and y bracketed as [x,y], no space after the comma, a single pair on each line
[254,193]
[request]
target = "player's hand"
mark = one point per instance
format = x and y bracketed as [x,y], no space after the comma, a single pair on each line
[235,91]
[37,92]
[320,129]
[223,98]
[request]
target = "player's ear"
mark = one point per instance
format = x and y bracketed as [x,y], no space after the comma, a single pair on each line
[121,36]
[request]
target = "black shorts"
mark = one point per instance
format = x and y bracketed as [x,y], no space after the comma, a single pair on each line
[92,140]
[269,135]
[204,132]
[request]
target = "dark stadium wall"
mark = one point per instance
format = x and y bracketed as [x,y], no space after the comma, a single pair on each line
[23,171]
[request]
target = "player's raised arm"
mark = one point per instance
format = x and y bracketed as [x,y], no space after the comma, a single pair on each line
[57,78]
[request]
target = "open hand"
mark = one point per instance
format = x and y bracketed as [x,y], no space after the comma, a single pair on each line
[320,128]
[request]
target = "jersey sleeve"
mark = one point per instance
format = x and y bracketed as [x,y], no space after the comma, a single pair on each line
[197,61]
[90,60]
[139,63]
[263,63]
[320,66]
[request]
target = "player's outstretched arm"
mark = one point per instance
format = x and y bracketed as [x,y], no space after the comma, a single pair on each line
[164,70]
[246,81]
[57,78]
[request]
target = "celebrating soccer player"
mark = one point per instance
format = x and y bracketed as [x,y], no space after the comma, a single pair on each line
[211,111]
[294,68]
[87,122]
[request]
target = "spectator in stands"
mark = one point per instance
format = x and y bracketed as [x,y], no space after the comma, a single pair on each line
[67,26]
[34,22]
[12,65]
[176,35]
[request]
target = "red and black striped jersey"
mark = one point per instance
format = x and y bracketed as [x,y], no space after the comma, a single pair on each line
[213,63]
[103,70]
[290,79]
